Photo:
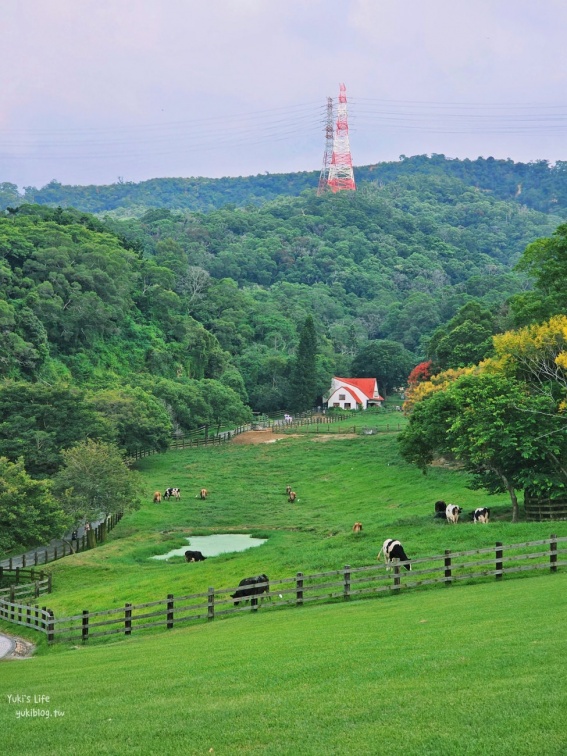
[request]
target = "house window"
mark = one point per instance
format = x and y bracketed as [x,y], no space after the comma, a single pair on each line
[342,397]
[336,404]
[347,405]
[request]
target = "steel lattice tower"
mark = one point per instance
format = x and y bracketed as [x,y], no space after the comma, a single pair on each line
[329,137]
[341,175]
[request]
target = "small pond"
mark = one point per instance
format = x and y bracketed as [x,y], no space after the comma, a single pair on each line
[213,545]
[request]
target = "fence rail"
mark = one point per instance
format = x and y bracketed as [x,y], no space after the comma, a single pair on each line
[60,549]
[341,584]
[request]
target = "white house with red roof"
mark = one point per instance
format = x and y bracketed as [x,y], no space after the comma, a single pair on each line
[354,393]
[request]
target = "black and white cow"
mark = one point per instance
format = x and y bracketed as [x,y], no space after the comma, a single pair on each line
[393,551]
[194,556]
[169,492]
[250,588]
[481,514]
[452,513]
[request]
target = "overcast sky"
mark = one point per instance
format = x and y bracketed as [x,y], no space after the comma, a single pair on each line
[94,90]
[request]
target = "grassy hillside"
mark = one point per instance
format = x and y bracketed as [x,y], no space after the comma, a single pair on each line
[338,481]
[472,670]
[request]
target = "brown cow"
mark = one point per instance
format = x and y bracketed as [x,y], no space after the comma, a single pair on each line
[357,527]
[203,493]
[157,497]
[292,496]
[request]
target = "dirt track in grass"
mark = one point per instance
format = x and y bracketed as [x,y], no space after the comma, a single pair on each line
[267,437]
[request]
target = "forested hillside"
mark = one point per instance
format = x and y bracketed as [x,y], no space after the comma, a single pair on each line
[537,185]
[178,296]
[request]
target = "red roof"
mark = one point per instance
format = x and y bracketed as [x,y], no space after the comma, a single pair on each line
[366,385]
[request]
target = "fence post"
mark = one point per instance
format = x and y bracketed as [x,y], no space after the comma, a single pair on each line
[55,553]
[299,589]
[36,589]
[49,582]
[447,567]
[169,611]
[127,619]
[499,553]
[346,591]
[397,579]
[10,564]
[35,559]
[553,553]
[1,572]
[210,604]
[36,615]
[85,625]
[28,616]
[23,560]
[17,575]
[50,627]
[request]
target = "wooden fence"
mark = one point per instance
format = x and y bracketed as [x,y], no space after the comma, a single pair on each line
[21,583]
[341,584]
[61,549]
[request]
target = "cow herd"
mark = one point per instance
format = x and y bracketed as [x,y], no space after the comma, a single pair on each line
[258,586]
[451,513]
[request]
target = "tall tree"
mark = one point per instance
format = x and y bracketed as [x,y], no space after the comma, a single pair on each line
[95,482]
[387,361]
[29,514]
[303,383]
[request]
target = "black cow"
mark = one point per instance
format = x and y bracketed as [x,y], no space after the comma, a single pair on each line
[250,588]
[440,509]
[194,556]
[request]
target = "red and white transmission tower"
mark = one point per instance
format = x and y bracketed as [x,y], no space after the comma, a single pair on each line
[341,175]
[329,137]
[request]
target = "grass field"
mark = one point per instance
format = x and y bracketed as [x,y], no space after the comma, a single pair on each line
[473,669]
[338,481]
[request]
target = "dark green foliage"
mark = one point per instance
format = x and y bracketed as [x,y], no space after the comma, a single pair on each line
[94,480]
[465,340]
[38,421]
[387,361]
[29,514]
[303,382]
[538,185]
[546,261]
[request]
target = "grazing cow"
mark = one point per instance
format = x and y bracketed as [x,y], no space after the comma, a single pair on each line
[194,556]
[288,490]
[203,493]
[250,588]
[440,509]
[452,513]
[393,552]
[157,497]
[169,492]
[292,496]
[357,527]
[481,514]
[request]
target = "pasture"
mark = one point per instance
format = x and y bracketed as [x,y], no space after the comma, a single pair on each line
[472,670]
[338,481]
[468,669]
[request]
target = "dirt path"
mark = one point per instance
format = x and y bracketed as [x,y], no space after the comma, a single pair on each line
[268,437]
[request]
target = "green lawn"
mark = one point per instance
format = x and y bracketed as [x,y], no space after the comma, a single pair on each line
[473,669]
[469,670]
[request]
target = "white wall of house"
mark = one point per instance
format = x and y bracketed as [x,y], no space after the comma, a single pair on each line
[346,398]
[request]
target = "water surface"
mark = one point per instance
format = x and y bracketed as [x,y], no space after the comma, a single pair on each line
[213,545]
